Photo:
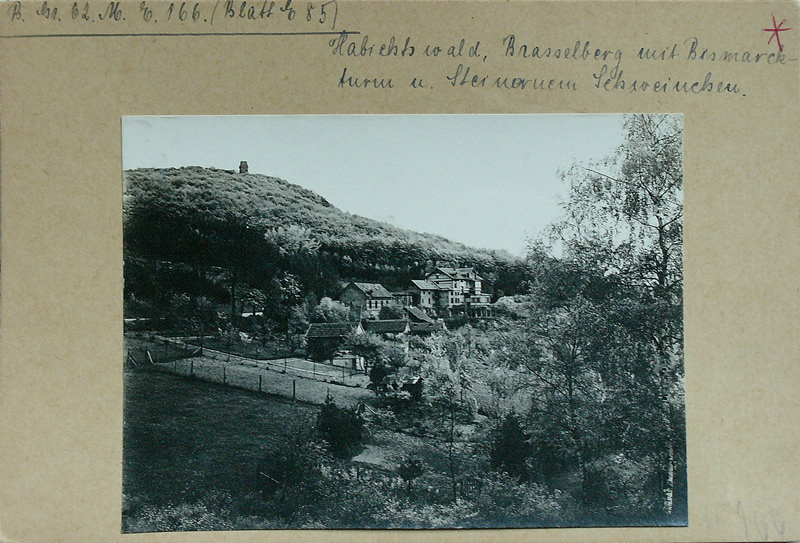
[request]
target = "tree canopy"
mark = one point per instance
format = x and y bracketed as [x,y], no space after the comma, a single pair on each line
[602,352]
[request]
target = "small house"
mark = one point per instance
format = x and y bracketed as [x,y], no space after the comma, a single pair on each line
[369,297]
[325,339]
[403,298]
[424,294]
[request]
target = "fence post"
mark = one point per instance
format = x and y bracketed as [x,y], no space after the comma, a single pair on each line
[224,377]
[191,367]
[259,382]
[294,390]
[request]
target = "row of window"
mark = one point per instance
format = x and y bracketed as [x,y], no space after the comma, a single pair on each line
[376,304]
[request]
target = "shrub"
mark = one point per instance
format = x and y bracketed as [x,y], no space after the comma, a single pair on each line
[621,489]
[510,448]
[391,311]
[410,469]
[504,502]
[342,428]
[377,378]
[289,476]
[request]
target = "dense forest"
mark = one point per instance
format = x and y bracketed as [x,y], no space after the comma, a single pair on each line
[564,408]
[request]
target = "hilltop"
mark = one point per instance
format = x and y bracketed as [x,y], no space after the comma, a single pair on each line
[259,227]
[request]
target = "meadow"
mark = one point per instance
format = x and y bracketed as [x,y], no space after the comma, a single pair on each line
[189,443]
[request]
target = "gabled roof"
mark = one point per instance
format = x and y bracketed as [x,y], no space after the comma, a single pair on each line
[372,290]
[461,273]
[330,329]
[423,284]
[416,314]
[393,326]
[426,327]
[450,272]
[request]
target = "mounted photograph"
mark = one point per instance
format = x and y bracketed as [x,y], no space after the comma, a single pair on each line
[403,322]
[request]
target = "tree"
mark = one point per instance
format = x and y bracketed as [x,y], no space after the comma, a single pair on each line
[330,310]
[391,311]
[296,325]
[378,374]
[194,315]
[282,304]
[510,448]
[445,383]
[341,428]
[368,346]
[635,207]
[290,476]
[385,360]
[623,223]
[411,468]
[555,353]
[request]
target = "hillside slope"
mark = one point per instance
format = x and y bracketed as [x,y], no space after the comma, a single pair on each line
[259,226]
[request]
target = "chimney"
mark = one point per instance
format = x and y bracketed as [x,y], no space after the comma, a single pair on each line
[243,166]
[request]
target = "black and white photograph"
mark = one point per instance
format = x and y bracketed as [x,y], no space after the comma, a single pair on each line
[403,322]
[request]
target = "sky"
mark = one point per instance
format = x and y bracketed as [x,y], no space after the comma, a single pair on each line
[489,181]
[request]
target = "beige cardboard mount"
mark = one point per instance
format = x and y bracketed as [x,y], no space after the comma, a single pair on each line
[70,71]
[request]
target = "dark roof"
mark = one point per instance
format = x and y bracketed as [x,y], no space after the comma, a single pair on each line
[424,285]
[426,327]
[329,329]
[461,273]
[373,290]
[418,315]
[394,326]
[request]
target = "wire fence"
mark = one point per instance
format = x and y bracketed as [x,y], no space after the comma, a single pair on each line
[260,379]
[161,352]
[294,378]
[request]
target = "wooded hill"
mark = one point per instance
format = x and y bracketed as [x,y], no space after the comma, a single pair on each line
[260,228]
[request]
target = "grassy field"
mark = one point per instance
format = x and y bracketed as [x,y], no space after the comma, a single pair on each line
[191,450]
[185,440]
[271,350]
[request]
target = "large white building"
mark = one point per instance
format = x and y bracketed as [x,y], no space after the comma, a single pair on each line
[450,288]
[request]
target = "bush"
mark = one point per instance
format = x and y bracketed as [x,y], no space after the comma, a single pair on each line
[510,448]
[410,469]
[377,378]
[504,502]
[620,489]
[290,476]
[342,428]
[391,311]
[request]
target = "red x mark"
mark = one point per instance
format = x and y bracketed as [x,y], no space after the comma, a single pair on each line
[776,28]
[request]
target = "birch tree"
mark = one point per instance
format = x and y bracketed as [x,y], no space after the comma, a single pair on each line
[624,215]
